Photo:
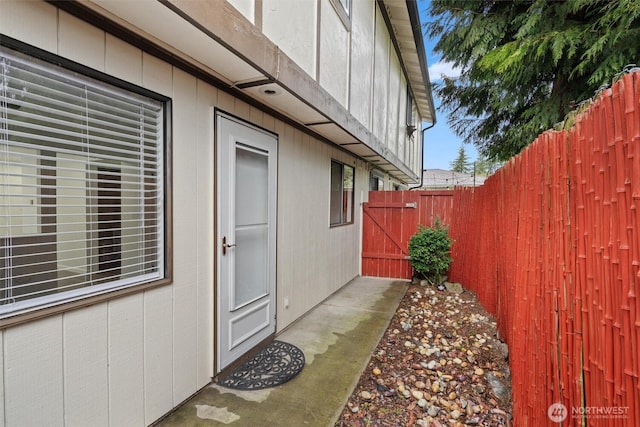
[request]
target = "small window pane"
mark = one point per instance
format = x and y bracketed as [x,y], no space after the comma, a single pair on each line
[347,195]
[342,185]
[336,193]
[82,167]
[346,5]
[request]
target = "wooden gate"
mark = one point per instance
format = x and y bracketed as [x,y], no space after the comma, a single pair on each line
[390,218]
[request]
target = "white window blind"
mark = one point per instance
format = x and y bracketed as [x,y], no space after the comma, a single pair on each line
[81,185]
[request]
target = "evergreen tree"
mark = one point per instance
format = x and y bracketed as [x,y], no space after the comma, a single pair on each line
[525,63]
[461,163]
[485,166]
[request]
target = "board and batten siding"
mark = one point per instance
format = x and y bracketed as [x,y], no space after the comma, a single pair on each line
[357,64]
[130,360]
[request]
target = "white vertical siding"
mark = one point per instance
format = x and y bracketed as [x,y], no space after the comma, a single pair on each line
[381,79]
[207,97]
[42,19]
[394,104]
[334,53]
[158,360]
[314,259]
[126,361]
[185,156]
[33,374]
[86,372]
[158,303]
[402,121]
[362,56]
[292,25]
[81,42]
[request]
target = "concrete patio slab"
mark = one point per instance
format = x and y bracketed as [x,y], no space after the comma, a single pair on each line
[337,338]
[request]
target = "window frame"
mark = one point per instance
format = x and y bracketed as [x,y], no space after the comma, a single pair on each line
[410,119]
[379,177]
[343,11]
[70,300]
[349,203]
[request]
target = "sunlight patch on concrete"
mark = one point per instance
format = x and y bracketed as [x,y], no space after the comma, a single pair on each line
[207,412]
[249,395]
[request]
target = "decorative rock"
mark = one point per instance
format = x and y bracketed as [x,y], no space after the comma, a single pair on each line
[455,414]
[457,361]
[432,365]
[406,393]
[420,384]
[435,387]
[365,395]
[444,403]
[452,395]
[417,394]
[454,288]
[433,411]
[478,388]
[503,348]
[376,371]
[422,403]
[479,371]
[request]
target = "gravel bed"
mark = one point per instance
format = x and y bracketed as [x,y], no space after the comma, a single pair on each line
[440,363]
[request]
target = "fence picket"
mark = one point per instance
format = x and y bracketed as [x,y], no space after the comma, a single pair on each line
[551,245]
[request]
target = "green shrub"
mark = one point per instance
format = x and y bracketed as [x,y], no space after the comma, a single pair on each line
[430,251]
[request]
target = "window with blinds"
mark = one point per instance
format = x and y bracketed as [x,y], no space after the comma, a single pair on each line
[81,185]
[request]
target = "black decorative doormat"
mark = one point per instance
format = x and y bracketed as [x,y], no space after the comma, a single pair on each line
[276,364]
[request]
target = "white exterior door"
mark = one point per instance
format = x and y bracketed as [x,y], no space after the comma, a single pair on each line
[246,239]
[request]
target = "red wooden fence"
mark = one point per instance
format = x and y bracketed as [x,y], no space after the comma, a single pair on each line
[551,245]
[390,218]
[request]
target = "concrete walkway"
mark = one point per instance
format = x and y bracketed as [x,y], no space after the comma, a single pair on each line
[337,338]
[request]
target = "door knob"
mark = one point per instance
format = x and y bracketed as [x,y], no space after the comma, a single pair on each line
[226,245]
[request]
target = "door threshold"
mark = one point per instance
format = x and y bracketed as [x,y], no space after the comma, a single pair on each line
[245,357]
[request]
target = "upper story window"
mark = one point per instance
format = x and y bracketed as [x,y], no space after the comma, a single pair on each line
[346,5]
[83,178]
[342,185]
[376,181]
[343,8]
[410,119]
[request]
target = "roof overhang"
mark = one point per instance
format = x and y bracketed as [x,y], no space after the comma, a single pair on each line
[203,39]
[404,19]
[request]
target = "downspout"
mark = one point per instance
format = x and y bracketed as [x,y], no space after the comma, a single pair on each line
[422,159]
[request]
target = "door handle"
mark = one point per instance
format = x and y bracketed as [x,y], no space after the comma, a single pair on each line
[226,245]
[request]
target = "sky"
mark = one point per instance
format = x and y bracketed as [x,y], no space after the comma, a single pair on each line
[441,144]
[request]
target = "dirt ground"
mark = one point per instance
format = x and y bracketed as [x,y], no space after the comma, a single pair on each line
[439,363]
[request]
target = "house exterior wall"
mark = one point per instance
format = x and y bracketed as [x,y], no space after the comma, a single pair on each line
[356,62]
[298,38]
[130,360]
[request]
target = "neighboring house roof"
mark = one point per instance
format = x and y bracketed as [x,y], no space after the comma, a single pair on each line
[440,178]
